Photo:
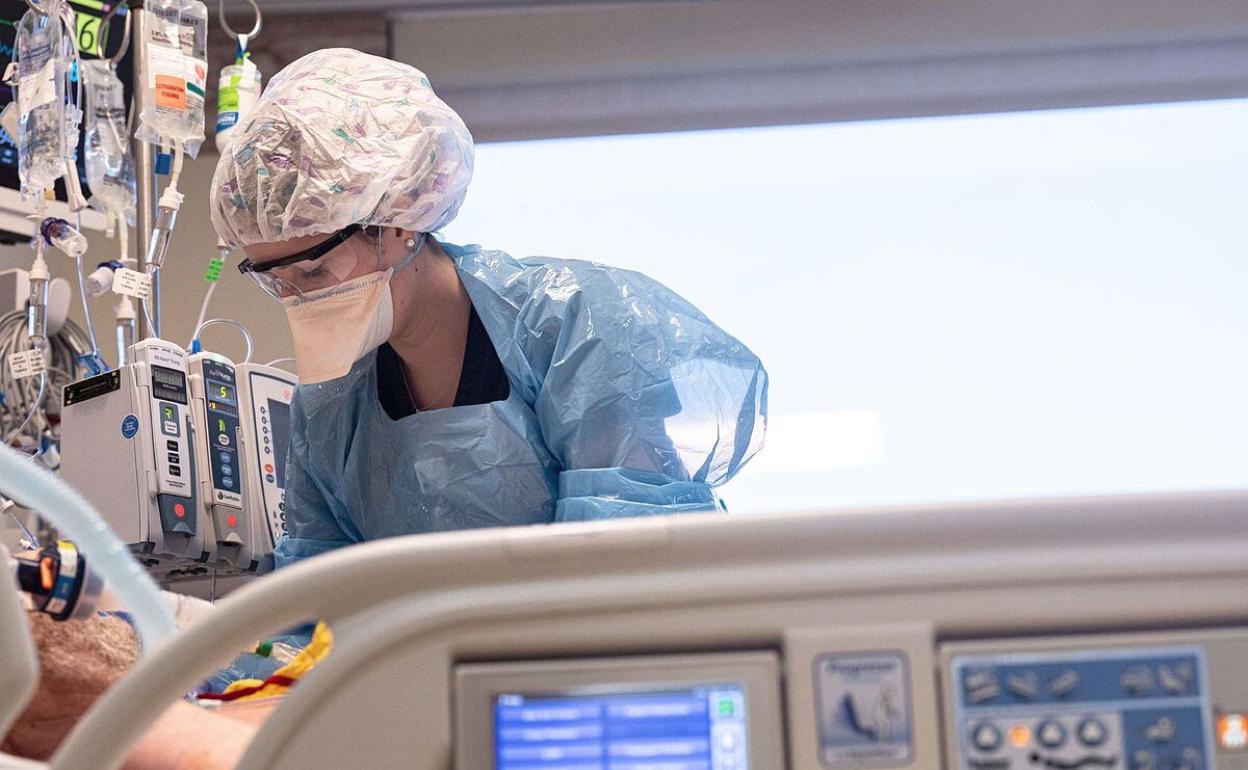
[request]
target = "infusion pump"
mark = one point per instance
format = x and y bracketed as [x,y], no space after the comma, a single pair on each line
[184,457]
[127,446]
[265,393]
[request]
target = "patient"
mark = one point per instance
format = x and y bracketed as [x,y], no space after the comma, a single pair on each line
[78,661]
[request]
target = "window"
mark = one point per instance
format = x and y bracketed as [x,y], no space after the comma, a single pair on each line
[978,307]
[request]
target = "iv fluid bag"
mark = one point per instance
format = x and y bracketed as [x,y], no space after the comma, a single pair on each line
[194,41]
[176,76]
[237,92]
[110,168]
[44,53]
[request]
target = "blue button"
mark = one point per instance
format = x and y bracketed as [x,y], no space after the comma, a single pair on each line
[269,478]
[225,457]
[227,470]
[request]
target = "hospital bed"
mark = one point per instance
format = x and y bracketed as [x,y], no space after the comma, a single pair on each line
[1068,634]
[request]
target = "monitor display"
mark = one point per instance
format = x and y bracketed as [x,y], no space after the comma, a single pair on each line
[279,415]
[685,728]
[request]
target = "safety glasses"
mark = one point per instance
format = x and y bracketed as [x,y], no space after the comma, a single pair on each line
[308,270]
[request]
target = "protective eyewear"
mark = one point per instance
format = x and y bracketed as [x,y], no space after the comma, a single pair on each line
[308,270]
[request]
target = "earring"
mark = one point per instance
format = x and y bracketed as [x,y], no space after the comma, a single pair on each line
[410,243]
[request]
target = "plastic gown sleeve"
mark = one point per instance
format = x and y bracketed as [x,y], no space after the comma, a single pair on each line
[646,403]
[313,516]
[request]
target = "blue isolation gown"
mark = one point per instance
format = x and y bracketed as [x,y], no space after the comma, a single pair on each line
[625,400]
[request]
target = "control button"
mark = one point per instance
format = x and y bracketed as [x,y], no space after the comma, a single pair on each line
[281,506]
[1233,732]
[1144,759]
[986,737]
[172,446]
[170,428]
[1161,731]
[179,510]
[268,467]
[264,420]
[1051,734]
[981,686]
[269,478]
[175,470]
[265,431]
[1023,685]
[227,470]
[1064,683]
[267,450]
[223,439]
[1175,680]
[1191,759]
[225,457]
[227,483]
[231,520]
[1091,732]
[1137,680]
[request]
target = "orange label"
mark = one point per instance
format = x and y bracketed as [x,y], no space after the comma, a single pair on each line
[170,92]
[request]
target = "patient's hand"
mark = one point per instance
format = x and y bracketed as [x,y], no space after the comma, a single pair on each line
[78,661]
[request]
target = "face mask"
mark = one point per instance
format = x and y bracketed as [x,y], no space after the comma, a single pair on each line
[335,327]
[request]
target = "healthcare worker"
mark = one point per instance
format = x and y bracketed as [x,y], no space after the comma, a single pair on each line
[450,387]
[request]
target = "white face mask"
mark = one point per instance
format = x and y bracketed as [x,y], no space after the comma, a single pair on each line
[335,327]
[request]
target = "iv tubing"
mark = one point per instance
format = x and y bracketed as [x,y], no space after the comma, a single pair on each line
[226,322]
[86,308]
[57,502]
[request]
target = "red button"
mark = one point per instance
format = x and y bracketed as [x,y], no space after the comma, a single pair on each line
[179,510]
[232,520]
[268,468]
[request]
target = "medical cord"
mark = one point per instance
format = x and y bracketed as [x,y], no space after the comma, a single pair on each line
[86,308]
[223,322]
[203,310]
[22,397]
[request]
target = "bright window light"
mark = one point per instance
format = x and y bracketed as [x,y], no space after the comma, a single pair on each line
[996,306]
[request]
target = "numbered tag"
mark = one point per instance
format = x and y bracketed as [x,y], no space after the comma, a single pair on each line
[27,363]
[132,283]
[88,33]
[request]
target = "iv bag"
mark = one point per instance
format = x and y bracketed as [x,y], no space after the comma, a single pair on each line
[177,74]
[110,168]
[44,53]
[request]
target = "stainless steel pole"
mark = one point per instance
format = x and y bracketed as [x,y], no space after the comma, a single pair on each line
[144,171]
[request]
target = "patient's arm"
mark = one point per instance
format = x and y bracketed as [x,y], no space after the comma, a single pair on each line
[79,660]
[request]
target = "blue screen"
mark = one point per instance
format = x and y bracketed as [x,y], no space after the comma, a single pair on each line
[700,728]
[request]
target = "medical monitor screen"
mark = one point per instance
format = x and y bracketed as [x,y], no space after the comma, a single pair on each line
[279,413]
[689,728]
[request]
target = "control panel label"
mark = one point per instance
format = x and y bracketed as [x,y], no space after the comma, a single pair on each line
[864,710]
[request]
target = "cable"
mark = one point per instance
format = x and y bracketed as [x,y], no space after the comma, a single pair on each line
[34,408]
[281,360]
[86,308]
[203,310]
[225,322]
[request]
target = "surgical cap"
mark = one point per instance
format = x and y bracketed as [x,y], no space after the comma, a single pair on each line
[342,137]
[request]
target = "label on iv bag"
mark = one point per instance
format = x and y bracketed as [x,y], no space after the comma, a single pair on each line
[132,283]
[37,89]
[168,77]
[26,363]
